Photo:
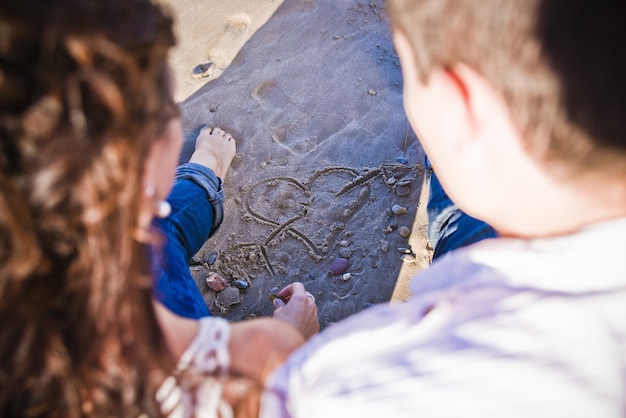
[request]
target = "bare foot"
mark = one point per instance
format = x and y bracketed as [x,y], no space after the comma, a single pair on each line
[214,149]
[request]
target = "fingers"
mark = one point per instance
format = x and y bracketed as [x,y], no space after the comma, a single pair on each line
[282,300]
[297,308]
[278,303]
[310,296]
[295,288]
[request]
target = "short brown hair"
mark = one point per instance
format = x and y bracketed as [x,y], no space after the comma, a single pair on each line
[558,64]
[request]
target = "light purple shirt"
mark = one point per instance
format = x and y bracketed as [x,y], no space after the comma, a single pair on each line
[518,328]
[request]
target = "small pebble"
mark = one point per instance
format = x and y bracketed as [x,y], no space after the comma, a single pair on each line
[201,70]
[402,190]
[404,232]
[408,258]
[391,180]
[403,250]
[228,297]
[346,276]
[210,259]
[402,160]
[372,92]
[404,182]
[344,242]
[338,266]
[384,245]
[241,284]
[374,262]
[345,252]
[216,282]
[274,296]
[398,210]
[390,228]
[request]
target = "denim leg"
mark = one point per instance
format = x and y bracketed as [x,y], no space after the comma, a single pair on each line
[196,199]
[450,228]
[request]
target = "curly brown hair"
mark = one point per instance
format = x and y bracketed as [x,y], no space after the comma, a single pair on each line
[83,95]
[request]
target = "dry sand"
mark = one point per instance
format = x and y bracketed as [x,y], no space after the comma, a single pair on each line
[313,98]
[212,31]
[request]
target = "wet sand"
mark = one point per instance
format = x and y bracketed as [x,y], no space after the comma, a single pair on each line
[312,93]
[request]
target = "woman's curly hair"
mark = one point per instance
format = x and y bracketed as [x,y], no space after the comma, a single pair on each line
[83,95]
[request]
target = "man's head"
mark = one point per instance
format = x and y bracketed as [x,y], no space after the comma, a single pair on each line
[558,64]
[548,74]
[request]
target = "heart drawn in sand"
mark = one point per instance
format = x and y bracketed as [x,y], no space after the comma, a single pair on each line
[314,211]
[317,213]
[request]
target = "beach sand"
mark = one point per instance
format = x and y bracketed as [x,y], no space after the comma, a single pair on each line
[311,90]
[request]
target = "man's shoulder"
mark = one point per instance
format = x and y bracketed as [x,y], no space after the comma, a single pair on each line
[590,260]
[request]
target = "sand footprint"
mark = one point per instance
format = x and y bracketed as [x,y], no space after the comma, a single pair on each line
[237,24]
[231,39]
[227,44]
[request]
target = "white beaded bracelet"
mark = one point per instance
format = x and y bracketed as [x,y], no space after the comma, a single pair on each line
[195,390]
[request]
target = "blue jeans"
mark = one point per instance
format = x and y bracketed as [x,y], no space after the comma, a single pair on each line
[450,228]
[197,201]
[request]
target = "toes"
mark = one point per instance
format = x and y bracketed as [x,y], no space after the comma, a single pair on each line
[217,131]
[220,132]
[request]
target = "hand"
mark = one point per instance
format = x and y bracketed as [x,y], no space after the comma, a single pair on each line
[298,309]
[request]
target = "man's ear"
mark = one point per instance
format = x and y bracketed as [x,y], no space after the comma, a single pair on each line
[478,95]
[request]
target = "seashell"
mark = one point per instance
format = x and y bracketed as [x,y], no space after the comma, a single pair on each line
[402,160]
[346,276]
[240,284]
[402,190]
[408,258]
[338,266]
[345,252]
[404,232]
[398,210]
[403,250]
[404,182]
[216,282]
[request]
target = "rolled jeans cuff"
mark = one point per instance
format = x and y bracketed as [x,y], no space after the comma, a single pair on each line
[211,183]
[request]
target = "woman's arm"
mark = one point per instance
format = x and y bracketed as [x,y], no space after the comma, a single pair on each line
[256,346]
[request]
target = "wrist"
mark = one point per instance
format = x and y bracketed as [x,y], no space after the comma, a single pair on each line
[259,346]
